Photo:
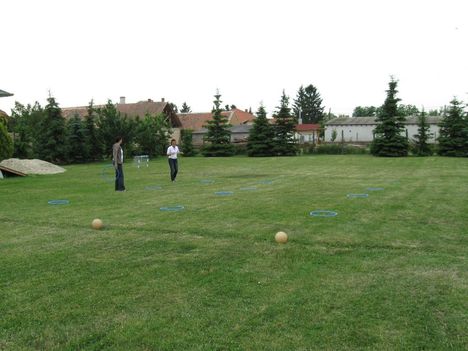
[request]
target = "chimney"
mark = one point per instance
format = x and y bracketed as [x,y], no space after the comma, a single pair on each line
[162,99]
[122,100]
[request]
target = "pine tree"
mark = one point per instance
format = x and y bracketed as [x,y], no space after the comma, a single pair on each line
[187,142]
[185,109]
[389,140]
[453,134]
[308,104]
[78,148]
[95,147]
[51,138]
[285,144]
[261,140]
[421,146]
[218,137]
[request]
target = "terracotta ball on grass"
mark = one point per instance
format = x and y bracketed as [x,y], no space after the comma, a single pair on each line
[281,237]
[97,224]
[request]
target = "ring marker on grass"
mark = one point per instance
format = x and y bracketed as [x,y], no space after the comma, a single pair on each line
[207,181]
[153,187]
[108,173]
[357,195]
[172,208]
[249,188]
[375,189]
[58,202]
[265,182]
[323,213]
[224,193]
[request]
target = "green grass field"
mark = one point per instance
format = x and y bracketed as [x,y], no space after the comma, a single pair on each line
[389,272]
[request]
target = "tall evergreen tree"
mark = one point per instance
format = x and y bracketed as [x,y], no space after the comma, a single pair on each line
[51,138]
[22,136]
[185,109]
[187,142]
[94,142]
[218,137]
[309,104]
[388,140]
[421,145]
[111,124]
[78,148]
[261,141]
[285,145]
[453,134]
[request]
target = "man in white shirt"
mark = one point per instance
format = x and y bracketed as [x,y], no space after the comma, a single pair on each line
[172,152]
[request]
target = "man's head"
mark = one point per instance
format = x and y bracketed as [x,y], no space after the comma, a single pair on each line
[173,142]
[118,139]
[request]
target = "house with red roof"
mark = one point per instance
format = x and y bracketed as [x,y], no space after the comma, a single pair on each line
[197,123]
[307,133]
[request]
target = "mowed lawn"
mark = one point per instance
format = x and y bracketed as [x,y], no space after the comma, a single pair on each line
[389,272]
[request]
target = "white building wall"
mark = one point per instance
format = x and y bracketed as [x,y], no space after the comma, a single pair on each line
[364,133]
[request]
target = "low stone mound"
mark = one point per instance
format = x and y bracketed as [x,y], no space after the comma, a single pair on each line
[31,166]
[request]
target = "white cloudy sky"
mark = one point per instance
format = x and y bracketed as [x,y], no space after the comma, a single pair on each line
[183,50]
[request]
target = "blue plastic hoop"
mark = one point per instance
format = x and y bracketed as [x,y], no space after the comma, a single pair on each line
[58,202]
[323,213]
[249,188]
[153,187]
[352,196]
[207,181]
[224,193]
[375,189]
[172,208]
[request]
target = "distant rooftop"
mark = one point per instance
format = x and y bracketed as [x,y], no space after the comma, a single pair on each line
[5,93]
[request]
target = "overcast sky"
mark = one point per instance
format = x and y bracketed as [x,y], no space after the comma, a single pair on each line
[183,50]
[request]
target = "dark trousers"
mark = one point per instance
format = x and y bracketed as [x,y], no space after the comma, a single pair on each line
[119,178]
[174,168]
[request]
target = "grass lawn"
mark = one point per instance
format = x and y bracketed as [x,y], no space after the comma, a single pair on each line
[389,272]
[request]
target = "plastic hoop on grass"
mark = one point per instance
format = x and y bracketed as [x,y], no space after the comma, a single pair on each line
[106,173]
[224,193]
[58,202]
[323,213]
[153,187]
[352,196]
[172,208]
[375,189]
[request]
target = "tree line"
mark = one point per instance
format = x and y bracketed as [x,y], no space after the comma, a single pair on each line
[42,132]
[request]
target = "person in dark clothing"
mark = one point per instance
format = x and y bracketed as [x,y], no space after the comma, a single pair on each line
[117,161]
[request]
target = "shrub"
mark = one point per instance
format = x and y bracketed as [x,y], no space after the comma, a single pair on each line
[340,149]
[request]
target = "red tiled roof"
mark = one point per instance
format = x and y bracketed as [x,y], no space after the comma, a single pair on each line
[307,127]
[131,110]
[196,121]
[243,116]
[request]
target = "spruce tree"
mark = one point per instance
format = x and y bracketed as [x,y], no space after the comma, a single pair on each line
[389,140]
[453,134]
[187,142]
[218,137]
[421,146]
[261,137]
[51,138]
[309,104]
[95,147]
[185,109]
[285,144]
[78,148]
